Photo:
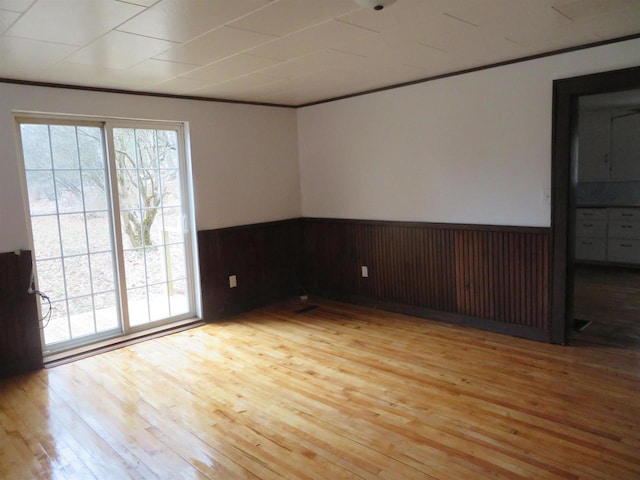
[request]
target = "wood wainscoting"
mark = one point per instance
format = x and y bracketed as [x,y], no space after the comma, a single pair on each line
[20,348]
[265,258]
[490,277]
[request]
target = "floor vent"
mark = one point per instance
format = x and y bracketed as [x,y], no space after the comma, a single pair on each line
[306,309]
[580,325]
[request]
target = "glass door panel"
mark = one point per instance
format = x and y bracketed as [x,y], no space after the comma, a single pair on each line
[152,218]
[73,249]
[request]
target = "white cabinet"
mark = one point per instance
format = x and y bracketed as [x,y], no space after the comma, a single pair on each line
[608,235]
[623,235]
[591,234]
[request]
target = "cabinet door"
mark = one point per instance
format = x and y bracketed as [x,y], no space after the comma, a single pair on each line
[624,230]
[591,249]
[624,251]
[625,147]
[593,146]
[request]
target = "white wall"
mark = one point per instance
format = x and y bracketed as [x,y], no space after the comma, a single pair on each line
[473,148]
[244,157]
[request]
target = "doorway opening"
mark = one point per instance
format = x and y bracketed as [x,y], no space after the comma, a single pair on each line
[592,252]
[110,227]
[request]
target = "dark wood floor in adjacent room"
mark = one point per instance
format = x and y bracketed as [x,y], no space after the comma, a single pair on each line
[609,298]
[335,392]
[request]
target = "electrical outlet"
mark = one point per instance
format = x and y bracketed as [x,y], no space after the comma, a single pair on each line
[233,281]
[365,271]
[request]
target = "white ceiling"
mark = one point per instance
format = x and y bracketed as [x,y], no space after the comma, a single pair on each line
[289,52]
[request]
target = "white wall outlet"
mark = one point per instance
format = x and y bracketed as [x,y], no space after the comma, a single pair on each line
[546,196]
[233,281]
[365,271]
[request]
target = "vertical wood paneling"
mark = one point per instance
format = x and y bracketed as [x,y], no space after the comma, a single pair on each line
[20,348]
[266,259]
[494,273]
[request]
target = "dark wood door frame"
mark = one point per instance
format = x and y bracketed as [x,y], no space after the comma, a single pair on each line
[565,108]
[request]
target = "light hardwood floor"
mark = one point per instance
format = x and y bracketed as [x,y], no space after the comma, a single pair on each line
[336,392]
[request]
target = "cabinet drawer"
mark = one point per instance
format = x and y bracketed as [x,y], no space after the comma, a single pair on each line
[622,229]
[591,228]
[624,251]
[591,249]
[632,214]
[591,213]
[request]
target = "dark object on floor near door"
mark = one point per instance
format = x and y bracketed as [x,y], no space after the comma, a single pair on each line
[580,325]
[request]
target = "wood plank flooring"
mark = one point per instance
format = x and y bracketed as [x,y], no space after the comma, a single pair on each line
[608,297]
[335,392]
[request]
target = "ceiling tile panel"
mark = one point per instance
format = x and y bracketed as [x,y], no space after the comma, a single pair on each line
[530,24]
[119,50]
[183,20]
[74,22]
[287,16]
[315,62]
[254,84]
[477,12]
[179,86]
[215,45]
[231,67]
[414,16]
[7,19]
[81,74]
[25,55]
[15,5]
[327,34]
[617,24]
[155,71]
[586,9]
[144,3]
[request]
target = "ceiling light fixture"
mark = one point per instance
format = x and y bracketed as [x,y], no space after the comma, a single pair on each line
[375,4]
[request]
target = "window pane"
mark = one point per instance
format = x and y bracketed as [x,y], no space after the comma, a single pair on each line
[42,195]
[74,240]
[57,330]
[178,262]
[138,307]
[69,191]
[50,278]
[98,231]
[134,268]
[167,148]
[106,311]
[128,194]
[102,272]
[76,271]
[81,316]
[125,148]
[46,238]
[90,145]
[173,224]
[130,225]
[156,259]
[146,148]
[171,188]
[64,147]
[178,297]
[35,146]
[93,187]
[158,302]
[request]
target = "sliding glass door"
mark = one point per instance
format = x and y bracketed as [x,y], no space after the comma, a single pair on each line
[109,223]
